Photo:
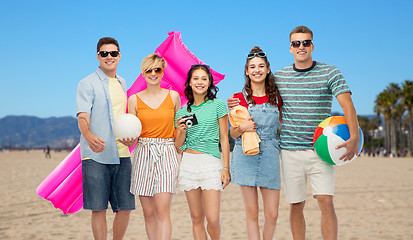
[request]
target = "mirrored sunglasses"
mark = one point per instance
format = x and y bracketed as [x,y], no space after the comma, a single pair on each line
[158,71]
[258,54]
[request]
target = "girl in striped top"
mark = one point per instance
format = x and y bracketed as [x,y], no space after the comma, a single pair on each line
[202,174]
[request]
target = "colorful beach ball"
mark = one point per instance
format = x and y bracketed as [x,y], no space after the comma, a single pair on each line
[331,132]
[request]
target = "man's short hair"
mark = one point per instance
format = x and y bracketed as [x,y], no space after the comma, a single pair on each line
[301,29]
[107,40]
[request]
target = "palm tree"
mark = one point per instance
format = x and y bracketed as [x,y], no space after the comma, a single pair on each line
[383,108]
[393,93]
[373,126]
[398,111]
[407,96]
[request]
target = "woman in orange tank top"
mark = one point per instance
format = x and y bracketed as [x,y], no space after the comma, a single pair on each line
[154,160]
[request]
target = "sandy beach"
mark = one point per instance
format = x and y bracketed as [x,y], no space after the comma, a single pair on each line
[374,200]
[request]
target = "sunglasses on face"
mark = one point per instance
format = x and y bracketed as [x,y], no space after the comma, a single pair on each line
[105,53]
[258,54]
[158,71]
[296,44]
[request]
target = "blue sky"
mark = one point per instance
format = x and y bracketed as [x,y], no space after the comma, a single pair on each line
[48,46]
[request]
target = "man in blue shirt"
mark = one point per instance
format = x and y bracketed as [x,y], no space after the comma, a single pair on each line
[106,164]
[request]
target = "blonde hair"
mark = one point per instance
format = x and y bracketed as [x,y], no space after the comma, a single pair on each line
[151,61]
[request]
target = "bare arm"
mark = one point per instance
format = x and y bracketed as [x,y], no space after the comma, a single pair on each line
[247,126]
[180,130]
[180,133]
[132,104]
[176,99]
[351,118]
[235,132]
[232,102]
[223,137]
[96,144]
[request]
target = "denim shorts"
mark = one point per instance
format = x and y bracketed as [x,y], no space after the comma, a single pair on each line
[103,183]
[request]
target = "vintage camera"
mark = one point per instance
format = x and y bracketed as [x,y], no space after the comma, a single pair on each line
[190,120]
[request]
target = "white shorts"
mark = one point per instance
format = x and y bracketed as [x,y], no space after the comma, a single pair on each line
[296,166]
[200,171]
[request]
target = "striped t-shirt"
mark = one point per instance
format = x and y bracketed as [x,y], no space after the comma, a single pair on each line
[307,98]
[204,137]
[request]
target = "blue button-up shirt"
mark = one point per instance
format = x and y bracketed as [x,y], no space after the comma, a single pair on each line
[92,96]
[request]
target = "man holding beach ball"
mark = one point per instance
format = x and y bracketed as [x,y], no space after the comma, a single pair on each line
[307,88]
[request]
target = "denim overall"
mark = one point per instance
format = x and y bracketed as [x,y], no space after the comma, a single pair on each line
[263,169]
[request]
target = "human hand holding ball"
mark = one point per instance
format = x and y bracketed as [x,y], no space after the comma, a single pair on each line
[127,129]
[331,133]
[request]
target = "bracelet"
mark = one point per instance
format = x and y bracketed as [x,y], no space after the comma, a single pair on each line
[226,169]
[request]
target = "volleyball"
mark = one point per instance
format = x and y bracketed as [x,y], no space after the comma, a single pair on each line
[127,126]
[330,133]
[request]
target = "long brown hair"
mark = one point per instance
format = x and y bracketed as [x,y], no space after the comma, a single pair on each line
[271,90]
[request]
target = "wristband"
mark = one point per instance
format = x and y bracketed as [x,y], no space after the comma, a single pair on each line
[226,169]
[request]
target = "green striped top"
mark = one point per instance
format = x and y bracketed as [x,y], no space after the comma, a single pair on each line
[204,137]
[307,96]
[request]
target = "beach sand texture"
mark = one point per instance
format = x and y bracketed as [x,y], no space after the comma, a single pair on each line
[374,200]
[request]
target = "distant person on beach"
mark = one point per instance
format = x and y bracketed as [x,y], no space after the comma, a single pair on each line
[203,175]
[106,164]
[261,171]
[155,163]
[307,88]
[47,152]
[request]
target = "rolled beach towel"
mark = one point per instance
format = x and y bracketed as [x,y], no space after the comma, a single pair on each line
[250,140]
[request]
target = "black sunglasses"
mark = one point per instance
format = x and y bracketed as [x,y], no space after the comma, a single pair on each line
[105,53]
[306,43]
[258,54]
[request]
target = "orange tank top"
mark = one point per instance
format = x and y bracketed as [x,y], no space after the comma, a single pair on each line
[159,122]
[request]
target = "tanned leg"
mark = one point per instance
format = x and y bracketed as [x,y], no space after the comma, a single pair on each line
[163,215]
[99,227]
[196,208]
[212,202]
[149,213]
[329,224]
[297,220]
[271,200]
[120,224]
[250,197]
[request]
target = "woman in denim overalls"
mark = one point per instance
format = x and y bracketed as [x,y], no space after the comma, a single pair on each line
[262,170]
